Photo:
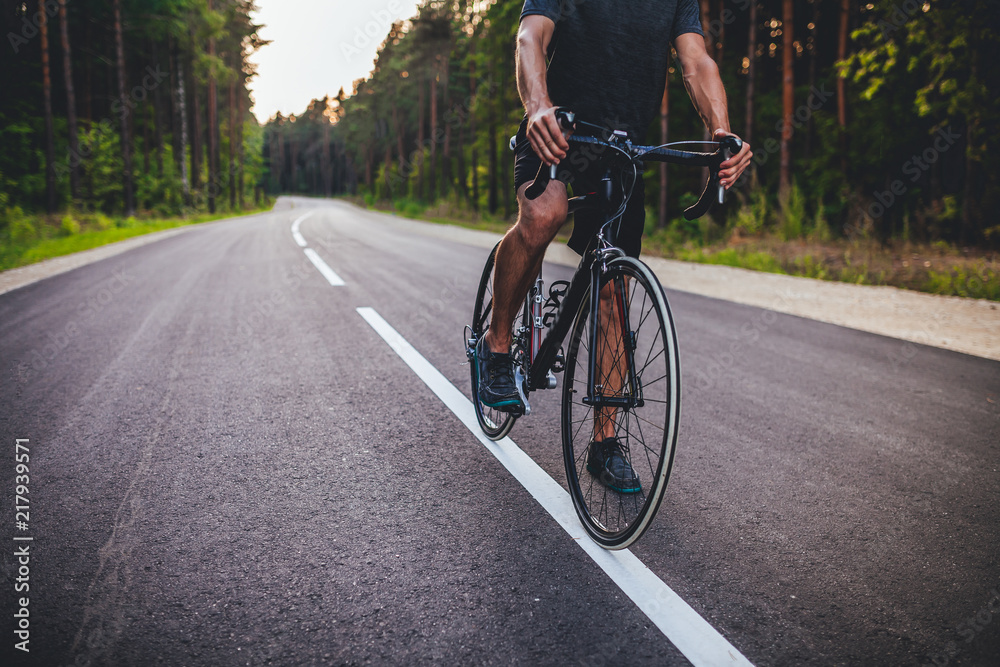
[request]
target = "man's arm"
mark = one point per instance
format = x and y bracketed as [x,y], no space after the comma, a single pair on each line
[544,134]
[704,86]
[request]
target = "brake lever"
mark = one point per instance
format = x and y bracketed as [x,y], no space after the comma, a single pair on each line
[728,146]
[567,120]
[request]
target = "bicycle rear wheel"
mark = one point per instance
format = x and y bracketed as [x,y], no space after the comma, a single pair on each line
[637,388]
[495,423]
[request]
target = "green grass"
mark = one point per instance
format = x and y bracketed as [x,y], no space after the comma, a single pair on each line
[755,261]
[977,282]
[57,237]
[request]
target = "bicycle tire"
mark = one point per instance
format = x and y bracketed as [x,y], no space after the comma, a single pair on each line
[648,432]
[496,424]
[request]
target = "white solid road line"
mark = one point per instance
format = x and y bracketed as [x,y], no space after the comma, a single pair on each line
[295,229]
[683,626]
[327,272]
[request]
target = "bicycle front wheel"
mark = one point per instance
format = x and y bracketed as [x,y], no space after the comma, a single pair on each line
[495,423]
[619,439]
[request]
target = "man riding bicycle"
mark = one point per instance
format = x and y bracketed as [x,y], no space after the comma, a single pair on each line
[606,60]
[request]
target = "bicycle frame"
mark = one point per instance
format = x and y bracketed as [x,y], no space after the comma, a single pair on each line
[542,353]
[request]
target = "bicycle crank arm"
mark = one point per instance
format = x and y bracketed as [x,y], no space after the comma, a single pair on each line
[520,381]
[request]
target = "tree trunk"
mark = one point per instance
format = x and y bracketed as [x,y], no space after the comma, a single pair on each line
[50,146]
[146,122]
[400,132]
[448,175]
[505,155]
[339,169]
[845,14]
[123,114]
[463,184]
[293,154]
[369,163]
[280,171]
[182,113]
[157,115]
[664,112]
[328,160]
[434,135]
[213,122]
[420,138]
[387,165]
[751,72]
[973,223]
[173,124]
[472,132]
[197,136]
[812,78]
[241,115]
[74,146]
[232,144]
[491,163]
[88,89]
[491,143]
[788,99]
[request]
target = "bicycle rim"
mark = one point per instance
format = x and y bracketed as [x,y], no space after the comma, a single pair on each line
[647,431]
[495,423]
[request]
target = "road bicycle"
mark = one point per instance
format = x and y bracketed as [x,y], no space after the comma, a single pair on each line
[621,365]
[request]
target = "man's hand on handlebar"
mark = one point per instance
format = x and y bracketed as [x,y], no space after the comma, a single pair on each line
[546,137]
[731,169]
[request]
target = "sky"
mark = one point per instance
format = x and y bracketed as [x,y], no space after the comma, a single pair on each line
[318,46]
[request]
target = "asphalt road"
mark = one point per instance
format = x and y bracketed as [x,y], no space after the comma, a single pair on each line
[229,466]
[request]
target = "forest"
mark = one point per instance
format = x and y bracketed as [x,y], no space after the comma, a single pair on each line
[125,108]
[872,125]
[868,120]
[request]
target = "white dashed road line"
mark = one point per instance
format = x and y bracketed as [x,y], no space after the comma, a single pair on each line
[317,261]
[327,272]
[295,229]
[683,626]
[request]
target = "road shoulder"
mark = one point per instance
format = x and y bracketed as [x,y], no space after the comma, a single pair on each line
[952,323]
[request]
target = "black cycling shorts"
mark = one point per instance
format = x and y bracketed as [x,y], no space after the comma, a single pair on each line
[582,171]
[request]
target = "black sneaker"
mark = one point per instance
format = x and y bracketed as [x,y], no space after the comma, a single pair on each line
[495,375]
[606,461]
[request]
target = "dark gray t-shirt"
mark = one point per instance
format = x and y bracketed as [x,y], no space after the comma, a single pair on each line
[608,58]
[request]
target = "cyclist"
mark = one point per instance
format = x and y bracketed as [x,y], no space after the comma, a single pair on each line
[606,61]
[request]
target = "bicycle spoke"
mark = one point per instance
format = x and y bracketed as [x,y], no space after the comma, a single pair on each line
[616,517]
[652,382]
[649,361]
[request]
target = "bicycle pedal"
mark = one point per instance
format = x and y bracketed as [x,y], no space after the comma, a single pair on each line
[470,342]
[559,364]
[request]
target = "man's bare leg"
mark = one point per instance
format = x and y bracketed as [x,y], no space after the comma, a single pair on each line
[520,256]
[611,362]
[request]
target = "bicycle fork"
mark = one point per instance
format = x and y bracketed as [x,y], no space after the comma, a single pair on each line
[596,397]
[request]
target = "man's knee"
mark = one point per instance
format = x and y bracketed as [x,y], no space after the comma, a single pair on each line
[538,221]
